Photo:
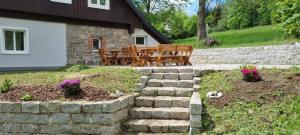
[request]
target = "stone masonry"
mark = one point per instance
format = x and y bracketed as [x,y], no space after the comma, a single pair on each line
[165,104]
[266,55]
[78,51]
[67,118]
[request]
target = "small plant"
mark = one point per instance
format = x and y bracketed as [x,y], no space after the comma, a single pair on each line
[27,97]
[6,86]
[71,87]
[250,73]
[77,68]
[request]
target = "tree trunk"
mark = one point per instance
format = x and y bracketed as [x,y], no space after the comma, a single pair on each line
[201,21]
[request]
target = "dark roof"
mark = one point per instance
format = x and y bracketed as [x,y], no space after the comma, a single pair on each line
[122,14]
[147,26]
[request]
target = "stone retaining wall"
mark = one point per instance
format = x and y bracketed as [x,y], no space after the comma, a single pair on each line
[266,55]
[66,118]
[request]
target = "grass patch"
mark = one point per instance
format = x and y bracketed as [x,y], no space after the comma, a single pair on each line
[110,79]
[256,36]
[280,116]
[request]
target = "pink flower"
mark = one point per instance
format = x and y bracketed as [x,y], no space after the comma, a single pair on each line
[246,71]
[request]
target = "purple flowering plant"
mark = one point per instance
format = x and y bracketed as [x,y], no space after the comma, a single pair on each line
[71,87]
[250,73]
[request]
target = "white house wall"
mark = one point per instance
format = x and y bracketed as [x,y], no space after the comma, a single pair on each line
[47,44]
[150,40]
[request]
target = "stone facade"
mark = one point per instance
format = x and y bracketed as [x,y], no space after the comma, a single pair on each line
[78,50]
[266,55]
[52,118]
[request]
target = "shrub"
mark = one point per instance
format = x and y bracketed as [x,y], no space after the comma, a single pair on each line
[6,86]
[77,68]
[71,87]
[250,73]
[27,97]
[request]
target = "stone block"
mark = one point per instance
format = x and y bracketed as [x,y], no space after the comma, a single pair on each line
[186,76]
[186,70]
[11,128]
[183,92]
[124,101]
[194,131]
[160,113]
[50,107]
[158,127]
[121,115]
[154,83]
[29,128]
[162,102]
[169,83]
[102,119]
[145,71]
[92,107]
[60,118]
[141,113]
[81,118]
[150,91]
[157,76]
[140,86]
[56,129]
[195,121]
[166,91]
[30,118]
[185,84]
[196,104]
[31,107]
[144,101]
[71,107]
[197,80]
[111,106]
[10,107]
[171,76]
[196,88]
[144,79]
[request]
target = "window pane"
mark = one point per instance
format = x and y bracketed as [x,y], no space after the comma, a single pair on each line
[140,40]
[9,40]
[103,2]
[19,41]
[94,1]
[96,44]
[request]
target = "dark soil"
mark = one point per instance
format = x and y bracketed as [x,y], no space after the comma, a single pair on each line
[272,88]
[47,93]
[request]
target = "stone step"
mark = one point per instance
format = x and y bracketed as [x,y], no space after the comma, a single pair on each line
[177,113]
[173,70]
[162,101]
[167,91]
[157,126]
[170,83]
[173,76]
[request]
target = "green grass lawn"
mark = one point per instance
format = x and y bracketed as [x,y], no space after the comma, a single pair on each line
[109,79]
[256,116]
[256,36]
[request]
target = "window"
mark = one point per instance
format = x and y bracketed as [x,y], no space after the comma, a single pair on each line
[101,4]
[140,40]
[96,44]
[63,1]
[14,40]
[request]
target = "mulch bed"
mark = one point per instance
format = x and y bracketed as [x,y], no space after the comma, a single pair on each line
[48,93]
[272,88]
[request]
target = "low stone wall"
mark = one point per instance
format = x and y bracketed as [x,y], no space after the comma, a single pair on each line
[266,55]
[66,118]
[195,117]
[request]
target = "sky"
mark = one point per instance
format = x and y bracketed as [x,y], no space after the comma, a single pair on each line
[193,7]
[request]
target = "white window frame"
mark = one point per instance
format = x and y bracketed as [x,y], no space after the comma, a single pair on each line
[2,40]
[100,45]
[63,1]
[106,7]
[145,40]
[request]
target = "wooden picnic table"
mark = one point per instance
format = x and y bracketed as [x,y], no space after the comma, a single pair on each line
[148,54]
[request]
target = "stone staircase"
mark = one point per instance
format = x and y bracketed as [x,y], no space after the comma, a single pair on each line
[164,101]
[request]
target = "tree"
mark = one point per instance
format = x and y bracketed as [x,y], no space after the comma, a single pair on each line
[201,32]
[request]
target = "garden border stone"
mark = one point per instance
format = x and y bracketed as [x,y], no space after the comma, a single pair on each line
[61,117]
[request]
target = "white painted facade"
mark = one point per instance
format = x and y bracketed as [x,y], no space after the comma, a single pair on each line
[46,44]
[149,40]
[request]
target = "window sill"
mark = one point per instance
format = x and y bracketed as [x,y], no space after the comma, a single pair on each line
[97,7]
[15,53]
